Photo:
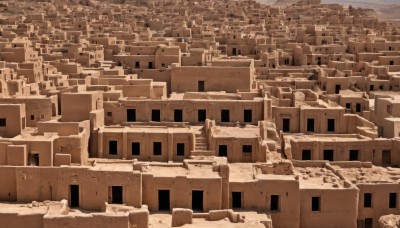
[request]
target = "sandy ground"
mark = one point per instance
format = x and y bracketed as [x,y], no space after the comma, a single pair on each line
[164,220]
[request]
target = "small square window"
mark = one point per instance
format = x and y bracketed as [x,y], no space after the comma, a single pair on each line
[3,122]
[247,148]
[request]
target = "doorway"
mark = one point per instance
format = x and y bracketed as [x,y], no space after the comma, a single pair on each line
[131,115]
[224,115]
[286,125]
[178,116]
[236,200]
[328,155]
[163,200]
[310,125]
[116,195]
[223,151]
[386,158]
[200,86]
[74,196]
[197,200]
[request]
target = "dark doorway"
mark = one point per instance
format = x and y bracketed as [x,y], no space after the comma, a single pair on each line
[306,155]
[131,115]
[392,200]
[371,87]
[150,65]
[136,148]
[155,115]
[368,223]
[180,149]
[74,195]
[386,158]
[236,200]
[368,200]
[116,194]
[223,151]
[137,65]
[337,89]
[224,115]
[201,115]
[157,148]
[358,107]
[197,200]
[274,203]
[233,51]
[315,204]
[163,200]
[112,147]
[331,125]
[328,155]
[33,159]
[310,125]
[178,115]
[353,155]
[286,125]
[200,86]
[248,116]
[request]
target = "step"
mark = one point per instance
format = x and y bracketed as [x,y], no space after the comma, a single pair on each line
[202,153]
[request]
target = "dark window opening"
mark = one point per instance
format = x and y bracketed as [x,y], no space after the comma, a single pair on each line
[131,115]
[248,116]
[137,65]
[178,115]
[328,155]
[348,106]
[150,65]
[368,200]
[274,203]
[3,122]
[371,87]
[74,195]
[315,204]
[233,51]
[112,147]
[353,155]
[224,115]
[155,115]
[392,200]
[236,200]
[337,89]
[247,148]
[197,200]
[310,125]
[163,200]
[306,155]
[200,86]
[223,151]
[180,149]
[358,107]
[136,148]
[116,195]
[157,148]
[391,62]
[331,125]
[33,116]
[368,222]
[201,115]
[286,125]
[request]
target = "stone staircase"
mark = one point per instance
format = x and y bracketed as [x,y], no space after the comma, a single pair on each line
[201,144]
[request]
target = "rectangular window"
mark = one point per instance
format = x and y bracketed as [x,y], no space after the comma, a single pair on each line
[116,194]
[306,155]
[247,148]
[178,116]
[371,87]
[3,122]
[131,115]
[180,149]
[315,204]
[274,203]
[157,148]
[200,86]
[353,155]
[368,200]
[155,115]
[337,89]
[137,65]
[224,115]
[348,106]
[358,107]
[331,125]
[32,117]
[286,125]
[136,148]
[222,150]
[112,147]
[150,65]
[248,115]
[201,115]
[310,125]
[392,200]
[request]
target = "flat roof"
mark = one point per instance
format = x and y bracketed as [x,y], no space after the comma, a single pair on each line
[248,131]
[318,178]
[373,175]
